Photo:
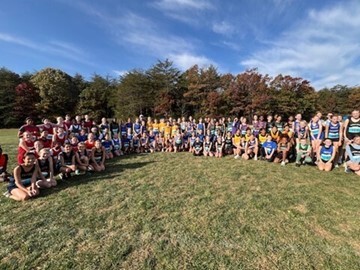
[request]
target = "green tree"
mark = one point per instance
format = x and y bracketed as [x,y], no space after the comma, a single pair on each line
[133,95]
[164,82]
[57,91]
[95,99]
[8,82]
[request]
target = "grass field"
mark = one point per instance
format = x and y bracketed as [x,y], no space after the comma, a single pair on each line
[175,211]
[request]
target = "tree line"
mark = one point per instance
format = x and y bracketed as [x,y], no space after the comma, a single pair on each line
[162,91]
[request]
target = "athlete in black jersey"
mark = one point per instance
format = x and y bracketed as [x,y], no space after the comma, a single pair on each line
[23,185]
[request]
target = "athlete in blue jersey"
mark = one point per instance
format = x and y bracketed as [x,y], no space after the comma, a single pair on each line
[333,131]
[316,134]
[268,149]
[107,144]
[325,156]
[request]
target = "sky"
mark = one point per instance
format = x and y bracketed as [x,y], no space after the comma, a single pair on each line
[316,40]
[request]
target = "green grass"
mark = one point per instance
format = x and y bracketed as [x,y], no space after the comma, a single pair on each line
[175,211]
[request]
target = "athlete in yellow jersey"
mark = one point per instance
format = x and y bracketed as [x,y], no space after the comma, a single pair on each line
[156,126]
[162,125]
[167,129]
[262,136]
[174,129]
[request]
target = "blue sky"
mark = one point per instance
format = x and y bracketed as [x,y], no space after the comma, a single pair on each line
[316,40]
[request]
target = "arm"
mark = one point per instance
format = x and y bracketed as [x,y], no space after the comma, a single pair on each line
[345,128]
[23,145]
[103,156]
[350,155]
[18,182]
[332,156]
[340,134]
[318,154]
[327,130]
[51,171]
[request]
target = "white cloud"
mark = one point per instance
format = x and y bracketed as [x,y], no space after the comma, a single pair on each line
[187,60]
[223,28]
[120,72]
[61,48]
[145,37]
[325,48]
[183,4]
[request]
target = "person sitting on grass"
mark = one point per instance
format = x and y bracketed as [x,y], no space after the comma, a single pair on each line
[46,177]
[219,147]
[251,148]
[107,143]
[353,155]
[98,157]
[198,147]
[116,145]
[268,149]
[82,159]
[238,149]
[303,152]
[67,162]
[4,175]
[23,185]
[283,151]
[207,147]
[326,155]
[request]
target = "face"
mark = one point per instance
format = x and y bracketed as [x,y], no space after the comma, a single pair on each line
[29,159]
[81,147]
[44,154]
[355,114]
[98,144]
[67,148]
[303,141]
[27,136]
[328,142]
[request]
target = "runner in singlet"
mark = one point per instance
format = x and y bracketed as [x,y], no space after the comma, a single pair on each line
[98,157]
[46,176]
[23,185]
[352,126]
[67,162]
[325,156]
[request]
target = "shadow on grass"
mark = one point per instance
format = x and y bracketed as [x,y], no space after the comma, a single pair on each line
[113,170]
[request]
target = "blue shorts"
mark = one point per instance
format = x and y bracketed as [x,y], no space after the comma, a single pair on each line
[12,185]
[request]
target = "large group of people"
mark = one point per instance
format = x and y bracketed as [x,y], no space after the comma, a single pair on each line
[79,145]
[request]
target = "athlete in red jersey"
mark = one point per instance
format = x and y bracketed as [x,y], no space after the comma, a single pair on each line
[26,145]
[59,137]
[29,127]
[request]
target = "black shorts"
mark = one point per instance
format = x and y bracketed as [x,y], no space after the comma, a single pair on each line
[335,139]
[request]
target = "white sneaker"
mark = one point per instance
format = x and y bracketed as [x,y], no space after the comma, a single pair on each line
[255,158]
[7,194]
[237,156]
[283,163]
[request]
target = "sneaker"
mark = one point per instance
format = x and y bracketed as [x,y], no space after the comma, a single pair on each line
[347,170]
[77,172]
[255,158]
[237,156]
[90,168]
[7,194]
[297,164]
[337,166]
[62,176]
[283,163]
